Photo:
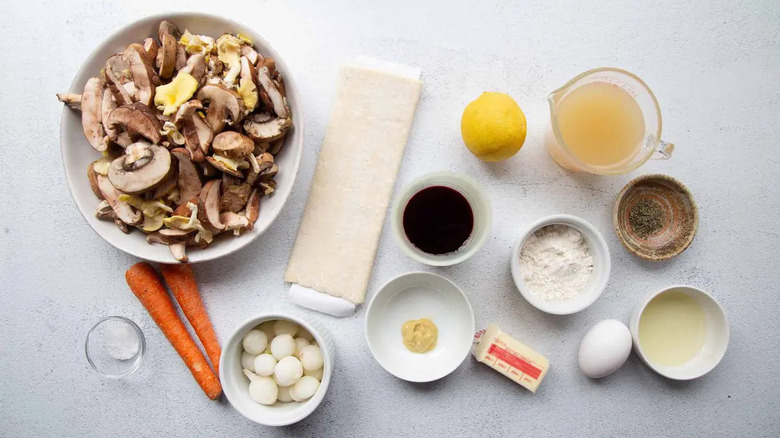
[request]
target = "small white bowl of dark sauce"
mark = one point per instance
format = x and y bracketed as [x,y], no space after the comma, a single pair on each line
[441,218]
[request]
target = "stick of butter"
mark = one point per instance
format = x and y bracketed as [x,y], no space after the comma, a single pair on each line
[508,356]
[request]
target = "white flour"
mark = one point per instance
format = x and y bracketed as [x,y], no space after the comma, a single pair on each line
[556,263]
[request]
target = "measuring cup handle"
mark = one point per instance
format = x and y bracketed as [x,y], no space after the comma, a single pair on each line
[663,151]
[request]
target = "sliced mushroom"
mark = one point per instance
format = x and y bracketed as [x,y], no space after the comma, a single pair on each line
[234,197]
[276,146]
[179,251]
[233,221]
[192,141]
[208,206]
[205,135]
[166,56]
[264,162]
[225,106]
[185,118]
[277,99]
[91,123]
[223,167]
[267,131]
[104,210]
[250,53]
[106,107]
[151,47]
[137,120]
[123,210]
[142,168]
[142,71]
[181,57]
[117,73]
[196,66]
[208,170]
[168,28]
[253,208]
[73,100]
[248,84]
[93,181]
[169,236]
[232,144]
[189,179]
[169,183]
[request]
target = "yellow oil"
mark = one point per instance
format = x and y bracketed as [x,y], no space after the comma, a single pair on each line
[601,124]
[672,329]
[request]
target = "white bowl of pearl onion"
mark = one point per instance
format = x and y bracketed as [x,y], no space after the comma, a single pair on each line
[275,368]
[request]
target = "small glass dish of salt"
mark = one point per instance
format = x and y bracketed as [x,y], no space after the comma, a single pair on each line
[115,347]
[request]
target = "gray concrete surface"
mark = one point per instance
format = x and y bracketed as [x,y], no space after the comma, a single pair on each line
[714,67]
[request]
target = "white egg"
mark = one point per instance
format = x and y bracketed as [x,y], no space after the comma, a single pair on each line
[248,360]
[284,394]
[287,371]
[304,388]
[264,364]
[299,344]
[311,357]
[317,374]
[604,348]
[263,390]
[284,327]
[255,342]
[268,328]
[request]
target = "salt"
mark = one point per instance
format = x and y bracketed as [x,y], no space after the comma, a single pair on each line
[121,341]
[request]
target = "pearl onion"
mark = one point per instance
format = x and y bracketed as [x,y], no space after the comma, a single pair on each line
[317,374]
[311,357]
[247,360]
[254,342]
[264,365]
[299,344]
[304,388]
[268,328]
[282,346]
[287,371]
[303,333]
[263,390]
[284,327]
[284,394]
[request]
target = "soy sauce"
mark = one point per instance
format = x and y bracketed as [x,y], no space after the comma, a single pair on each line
[438,220]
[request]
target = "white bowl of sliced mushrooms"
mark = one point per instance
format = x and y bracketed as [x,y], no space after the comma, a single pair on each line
[181,137]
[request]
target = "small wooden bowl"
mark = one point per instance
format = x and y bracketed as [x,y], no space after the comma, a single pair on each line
[678,225]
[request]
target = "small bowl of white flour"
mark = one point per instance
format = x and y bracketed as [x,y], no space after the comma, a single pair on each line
[561,264]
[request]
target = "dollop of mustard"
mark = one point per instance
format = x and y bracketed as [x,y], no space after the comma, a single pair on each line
[419,335]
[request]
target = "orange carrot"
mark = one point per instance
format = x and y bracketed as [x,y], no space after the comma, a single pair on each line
[181,280]
[146,285]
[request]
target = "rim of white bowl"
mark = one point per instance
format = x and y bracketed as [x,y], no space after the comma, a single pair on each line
[564,307]
[290,84]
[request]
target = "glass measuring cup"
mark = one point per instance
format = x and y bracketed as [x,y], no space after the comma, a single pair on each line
[650,146]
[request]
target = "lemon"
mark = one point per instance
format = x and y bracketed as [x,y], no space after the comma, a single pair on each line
[493,127]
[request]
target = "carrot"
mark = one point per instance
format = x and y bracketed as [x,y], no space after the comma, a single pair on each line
[146,285]
[181,280]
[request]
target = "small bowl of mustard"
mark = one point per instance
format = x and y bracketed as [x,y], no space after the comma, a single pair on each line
[655,217]
[419,326]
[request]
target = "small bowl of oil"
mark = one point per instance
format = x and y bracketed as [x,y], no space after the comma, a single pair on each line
[680,332]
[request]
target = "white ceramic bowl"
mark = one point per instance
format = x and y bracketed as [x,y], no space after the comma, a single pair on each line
[480,207]
[235,384]
[413,296]
[602,265]
[77,153]
[714,345]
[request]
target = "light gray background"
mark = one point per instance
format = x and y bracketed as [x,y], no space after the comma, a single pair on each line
[714,67]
